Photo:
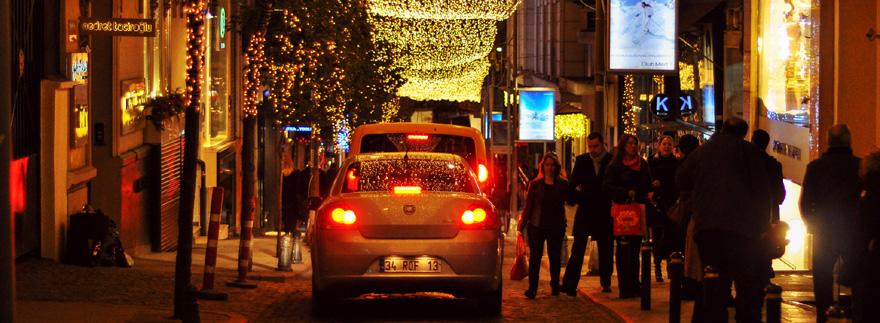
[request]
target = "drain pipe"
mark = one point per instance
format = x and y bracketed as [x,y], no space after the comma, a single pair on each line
[203,195]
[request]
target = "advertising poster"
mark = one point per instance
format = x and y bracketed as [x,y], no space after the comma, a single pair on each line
[537,109]
[642,36]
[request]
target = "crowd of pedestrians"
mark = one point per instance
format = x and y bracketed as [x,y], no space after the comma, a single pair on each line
[719,205]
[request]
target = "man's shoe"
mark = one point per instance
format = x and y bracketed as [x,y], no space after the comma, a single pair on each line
[606,289]
[554,291]
[530,294]
[659,279]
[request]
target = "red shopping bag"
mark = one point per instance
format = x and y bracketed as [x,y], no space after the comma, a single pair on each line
[629,219]
[520,269]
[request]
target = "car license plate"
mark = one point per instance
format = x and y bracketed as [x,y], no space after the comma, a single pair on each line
[409,265]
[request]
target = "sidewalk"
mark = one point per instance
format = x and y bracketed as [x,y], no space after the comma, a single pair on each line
[54,292]
[796,295]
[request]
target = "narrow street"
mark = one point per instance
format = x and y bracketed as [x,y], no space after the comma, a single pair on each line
[143,293]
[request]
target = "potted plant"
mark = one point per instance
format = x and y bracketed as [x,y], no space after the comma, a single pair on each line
[165,113]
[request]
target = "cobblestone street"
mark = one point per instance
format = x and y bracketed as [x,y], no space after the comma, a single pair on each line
[49,291]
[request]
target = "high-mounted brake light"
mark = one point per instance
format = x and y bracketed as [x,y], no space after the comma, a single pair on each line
[482,173]
[417,137]
[407,190]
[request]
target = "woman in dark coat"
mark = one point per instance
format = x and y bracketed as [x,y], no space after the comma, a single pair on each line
[866,287]
[628,179]
[544,219]
[666,238]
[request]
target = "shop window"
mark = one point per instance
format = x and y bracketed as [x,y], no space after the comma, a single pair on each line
[787,58]
[217,125]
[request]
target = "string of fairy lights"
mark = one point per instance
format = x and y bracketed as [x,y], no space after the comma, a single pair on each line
[441,46]
[631,116]
[444,10]
[195,48]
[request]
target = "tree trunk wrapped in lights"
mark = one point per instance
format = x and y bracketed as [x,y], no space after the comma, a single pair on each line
[254,63]
[185,305]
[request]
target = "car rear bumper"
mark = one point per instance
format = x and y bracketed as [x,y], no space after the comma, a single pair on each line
[346,263]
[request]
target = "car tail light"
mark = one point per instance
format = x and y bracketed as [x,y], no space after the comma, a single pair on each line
[401,190]
[475,218]
[338,217]
[482,173]
[417,137]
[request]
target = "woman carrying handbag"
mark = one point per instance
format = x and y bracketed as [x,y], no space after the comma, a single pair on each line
[628,181]
[544,219]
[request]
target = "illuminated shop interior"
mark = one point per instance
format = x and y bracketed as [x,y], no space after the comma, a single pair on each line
[786,68]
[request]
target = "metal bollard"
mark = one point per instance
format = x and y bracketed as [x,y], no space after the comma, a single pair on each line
[284,253]
[774,303]
[245,247]
[297,250]
[211,250]
[675,267]
[646,275]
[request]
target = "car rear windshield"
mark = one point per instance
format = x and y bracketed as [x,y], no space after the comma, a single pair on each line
[428,174]
[401,142]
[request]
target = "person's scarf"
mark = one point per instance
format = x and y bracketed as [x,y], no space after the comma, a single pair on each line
[634,163]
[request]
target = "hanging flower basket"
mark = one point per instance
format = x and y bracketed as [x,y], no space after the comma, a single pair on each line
[165,107]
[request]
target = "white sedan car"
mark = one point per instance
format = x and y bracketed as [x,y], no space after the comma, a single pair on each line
[405,223]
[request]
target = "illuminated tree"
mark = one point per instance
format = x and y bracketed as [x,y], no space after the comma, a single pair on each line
[185,306]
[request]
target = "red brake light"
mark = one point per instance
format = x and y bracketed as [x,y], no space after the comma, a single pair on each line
[472,217]
[482,173]
[407,190]
[417,137]
[342,216]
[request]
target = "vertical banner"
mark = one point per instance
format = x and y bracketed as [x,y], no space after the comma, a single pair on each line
[642,36]
[537,109]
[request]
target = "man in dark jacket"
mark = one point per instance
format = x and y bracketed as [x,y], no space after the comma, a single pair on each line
[774,171]
[593,215]
[829,201]
[731,205]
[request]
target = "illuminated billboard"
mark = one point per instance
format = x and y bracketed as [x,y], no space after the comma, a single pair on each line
[537,108]
[642,36]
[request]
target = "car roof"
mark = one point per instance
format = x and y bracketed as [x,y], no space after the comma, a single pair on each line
[413,127]
[411,155]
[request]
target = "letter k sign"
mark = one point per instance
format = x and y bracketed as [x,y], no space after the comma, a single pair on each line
[661,104]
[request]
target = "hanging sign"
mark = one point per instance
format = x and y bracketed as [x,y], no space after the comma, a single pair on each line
[118,27]
[666,107]
[642,36]
[79,67]
[537,107]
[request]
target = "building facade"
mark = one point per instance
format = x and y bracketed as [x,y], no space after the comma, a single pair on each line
[93,142]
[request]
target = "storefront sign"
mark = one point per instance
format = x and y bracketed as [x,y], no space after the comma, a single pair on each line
[642,36]
[665,107]
[786,150]
[537,108]
[118,27]
[134,95]
[79,67]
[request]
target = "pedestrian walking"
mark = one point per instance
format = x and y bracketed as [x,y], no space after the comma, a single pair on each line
[866,260]
[628,180]
[593,218]
[667,238]
[692,289]
[761,139]
[829,201]
[731,211]
[543,219]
